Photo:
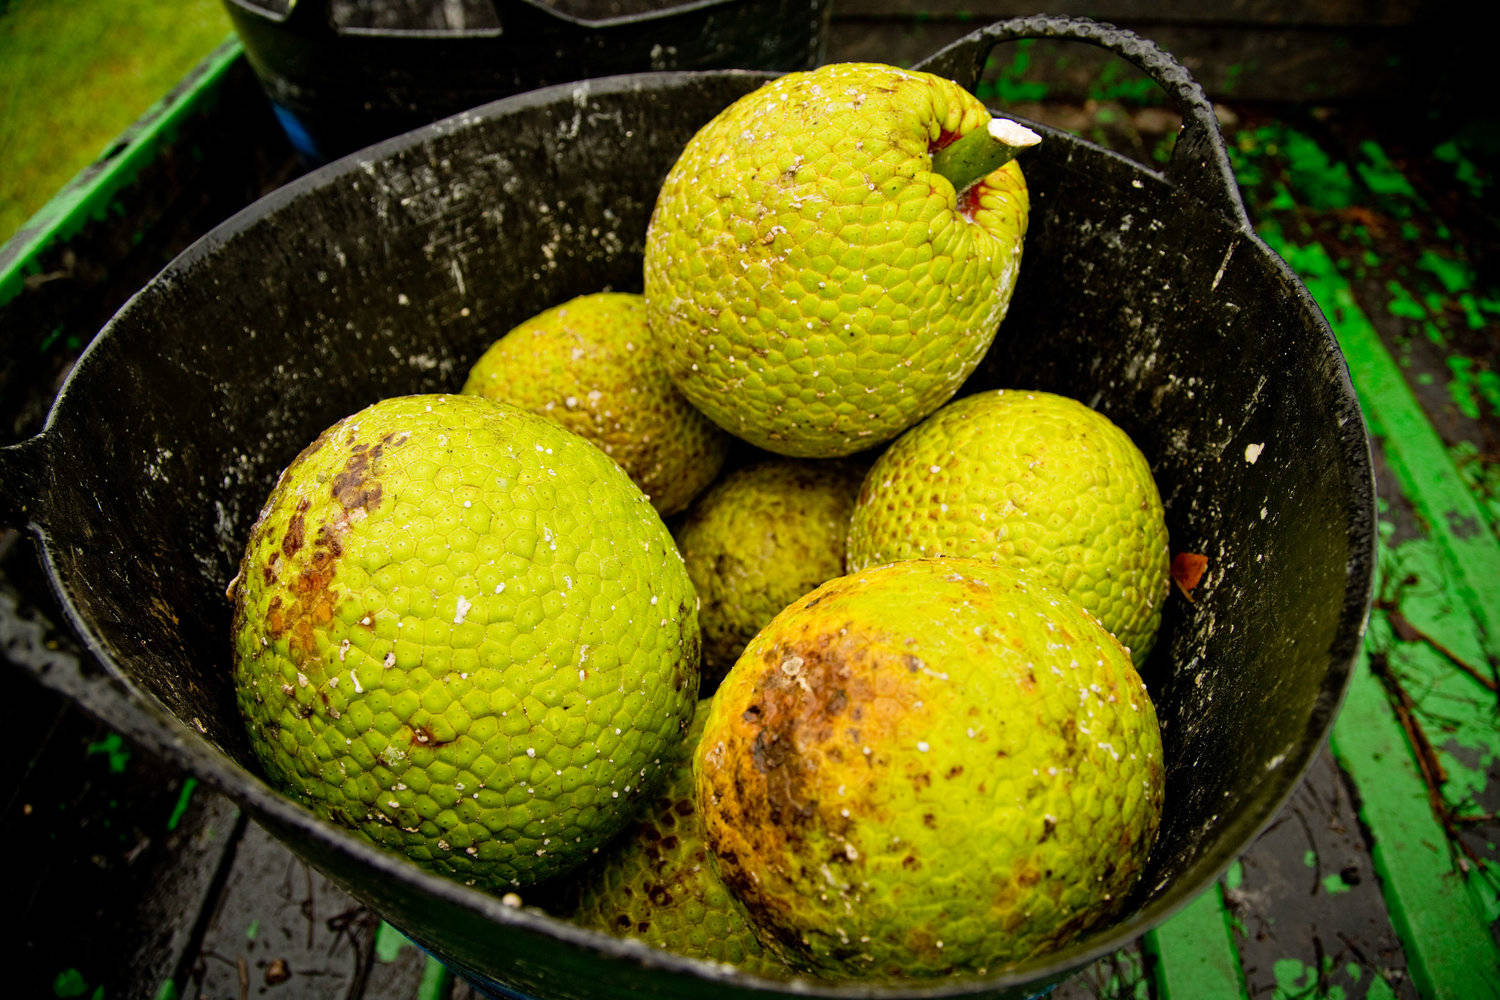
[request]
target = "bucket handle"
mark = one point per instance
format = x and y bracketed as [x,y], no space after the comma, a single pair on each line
[1200,164]
[314,18]
[22,478]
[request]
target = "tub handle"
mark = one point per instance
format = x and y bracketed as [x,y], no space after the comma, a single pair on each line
[1200,162]
[314,18]
[22,467]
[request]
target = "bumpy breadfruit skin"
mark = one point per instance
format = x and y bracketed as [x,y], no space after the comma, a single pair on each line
[461,631]
[657,882]
[760,538]
[929,768]
[813,286]
[1033,480]
[589,365]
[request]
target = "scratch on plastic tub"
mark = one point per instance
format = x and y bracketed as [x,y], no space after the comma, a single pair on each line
[571,128]
[1223,265]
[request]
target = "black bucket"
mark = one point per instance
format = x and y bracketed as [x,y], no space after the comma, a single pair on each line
[1145,294]
[340,78]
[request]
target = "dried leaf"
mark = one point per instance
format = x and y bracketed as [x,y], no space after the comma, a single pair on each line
[1187,570]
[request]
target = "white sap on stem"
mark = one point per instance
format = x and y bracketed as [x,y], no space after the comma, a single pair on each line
[979,153]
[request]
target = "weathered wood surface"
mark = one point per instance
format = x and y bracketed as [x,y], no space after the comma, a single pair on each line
[1379,877]
[1273,50]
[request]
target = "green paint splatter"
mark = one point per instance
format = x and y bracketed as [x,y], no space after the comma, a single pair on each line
[1482,475]
[389,942]
[1310,859]
[167,991]
[183,797]
[1381,176]
[1234,876]
[1474,310]
[253,931]
[1296,980]
[1334,884]
[1471,384]
[114,748]
[1453,275]
[1464,170]
[1320,182]
[1403,303]
[69,983]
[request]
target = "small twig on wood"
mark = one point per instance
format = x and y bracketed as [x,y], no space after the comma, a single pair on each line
[1408,632]
[1431,768]
[1322,965]
[1367,963]
[1488,817]
[312,917]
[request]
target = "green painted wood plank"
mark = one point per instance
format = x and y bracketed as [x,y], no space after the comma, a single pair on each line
[1449,949]
[1194,956]
[88,194]
[1416,454]
[1442,922]
[1442,915]
[1121,975]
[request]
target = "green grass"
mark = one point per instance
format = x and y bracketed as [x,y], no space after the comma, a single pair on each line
[75,73]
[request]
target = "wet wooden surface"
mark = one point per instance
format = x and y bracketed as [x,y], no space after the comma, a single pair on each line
[1378,878]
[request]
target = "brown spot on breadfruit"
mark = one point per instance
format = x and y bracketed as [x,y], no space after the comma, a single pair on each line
[791,741]
[356,487]
[275,618]
[422,736]
[312,552]
[328,540]
[296,531]
[921,941]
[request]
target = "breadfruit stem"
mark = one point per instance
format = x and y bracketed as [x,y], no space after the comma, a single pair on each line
[974,156]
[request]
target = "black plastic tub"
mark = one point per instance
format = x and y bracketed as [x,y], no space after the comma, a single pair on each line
[342,75]
[1144,293]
